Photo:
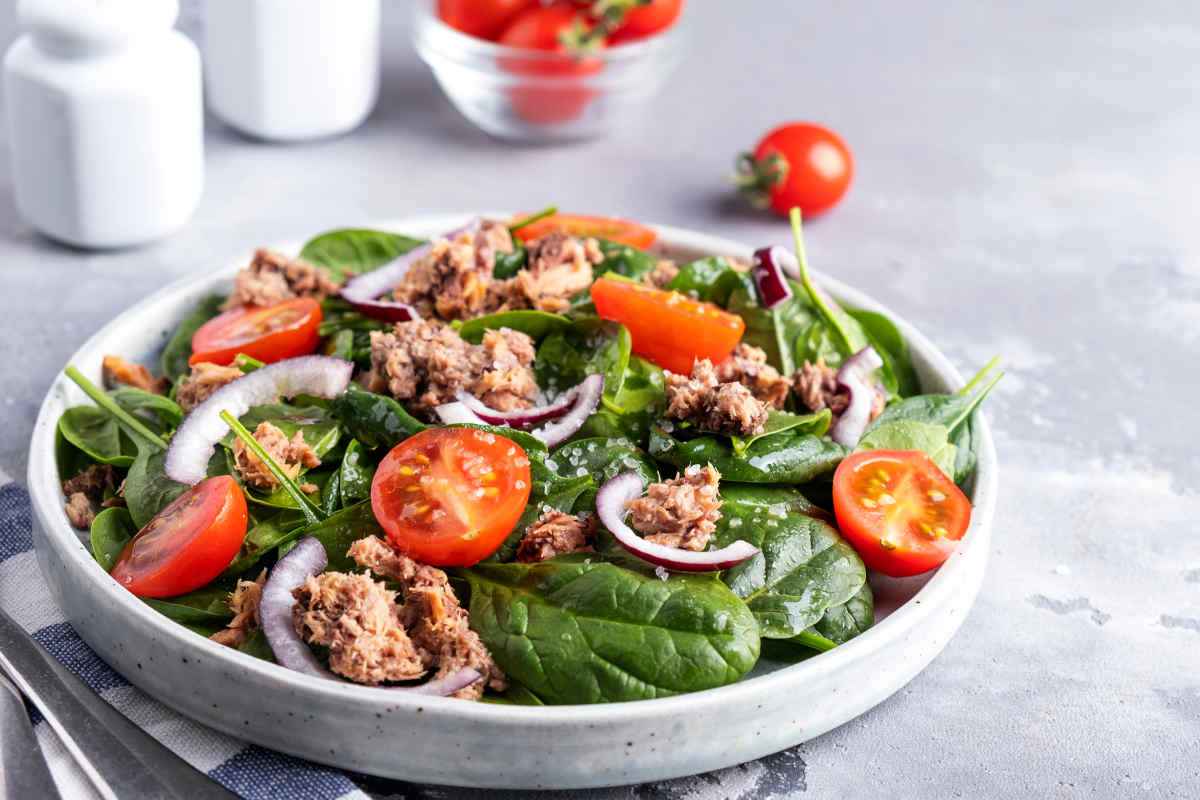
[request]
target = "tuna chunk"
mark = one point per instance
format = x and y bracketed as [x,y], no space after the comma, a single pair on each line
[663,273]
[555,534]
[243,602]
[560,267]
[426,364]
[748,366]
[359,621]
[271,278]
[204,379]
[116,371]
[817,387]
[432,614]
[452,282]
[292,455]
[86,491]
[682,512]
[711,405]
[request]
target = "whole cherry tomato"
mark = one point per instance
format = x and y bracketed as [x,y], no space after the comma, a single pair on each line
[799,164]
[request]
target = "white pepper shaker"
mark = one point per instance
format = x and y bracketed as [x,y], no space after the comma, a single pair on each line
[290,70]
[106,120]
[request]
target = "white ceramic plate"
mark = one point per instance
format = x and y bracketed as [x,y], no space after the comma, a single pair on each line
[439,740]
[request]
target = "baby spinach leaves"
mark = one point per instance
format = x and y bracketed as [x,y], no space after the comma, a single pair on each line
[565,495]
[174,359]
[887,340]
[148,490]
[578,630]
[374,419]
[583,347]
[841,623]
[537,324]
[111,531]
[778,422]
[911,434]
[207,606]
[788,457]
[97,433]
[351,251]
[803,568]
[264,537]
[357,472]
[624,260]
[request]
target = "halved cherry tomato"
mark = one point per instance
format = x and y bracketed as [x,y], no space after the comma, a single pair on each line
[549,29]
[484,19]
[899,510]
[621,231]
[449,496]
[668,328]
[188,543]
[797,165]
[269,334]
[642,21]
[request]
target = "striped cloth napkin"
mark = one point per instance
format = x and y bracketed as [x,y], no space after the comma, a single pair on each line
[248,770]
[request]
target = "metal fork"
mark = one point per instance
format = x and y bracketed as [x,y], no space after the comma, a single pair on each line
[120,759]
[22,767]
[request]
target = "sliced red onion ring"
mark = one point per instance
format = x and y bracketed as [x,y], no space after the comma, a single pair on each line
[610,507]
[193,444]
[582,403]
[306,559]
[363,290]
[769,269]
[857,376]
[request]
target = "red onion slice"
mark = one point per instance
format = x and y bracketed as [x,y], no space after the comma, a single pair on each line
[769,268]
[306,559]
[582,402]
[610,508]
[857,376]
[363,290]
[193,444]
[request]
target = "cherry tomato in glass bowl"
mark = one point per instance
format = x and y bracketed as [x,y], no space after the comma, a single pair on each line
[187,544]
[449,496]
[643,21]
[668,328]
[901,513]
[564,51]
[268,334]
[800,164]
[483,19]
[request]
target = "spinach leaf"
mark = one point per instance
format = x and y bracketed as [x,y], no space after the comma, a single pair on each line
[788,457]
[774,330]
[586,346]
[70,459]
[514,695]
[321,430]
[632,411]
[563,495]
[841,623]
[948,410]
[578,630]
[885,337]
[507,265]
[803,568]
[173,362]
[910,434]
[623,260]
[111,531]
[602,459]
[374,419]
[339,531]
[160,414]
[702,279]
[207,605]
[280,498]
[148,490]
[98,434]
[816,423]
[537,324]
[357,474]
[256,645]
[966,442]
[340,345]
[817,344]
[264,537]
[355,250]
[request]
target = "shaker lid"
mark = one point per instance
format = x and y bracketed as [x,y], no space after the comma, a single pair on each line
[95,24]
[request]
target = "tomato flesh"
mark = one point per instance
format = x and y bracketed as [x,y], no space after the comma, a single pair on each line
[901,513]
[449,496]
[819,167]
[622,231]
[668,328]
[484,19]
[187,544]
[269,334]
[643,21]
[542,28]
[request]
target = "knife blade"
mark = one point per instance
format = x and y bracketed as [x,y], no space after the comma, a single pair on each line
[23,770]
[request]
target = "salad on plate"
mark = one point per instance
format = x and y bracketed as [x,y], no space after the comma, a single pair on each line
[532,461]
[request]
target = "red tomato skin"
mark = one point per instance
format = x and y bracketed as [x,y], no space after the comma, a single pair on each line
[214,543]
[621,231]
[905,559]
[646,21]
[483,19]
[539,28]
[298,339]
[820,167]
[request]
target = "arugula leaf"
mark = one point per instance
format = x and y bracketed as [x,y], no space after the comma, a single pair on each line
[111,531]
[173,362]
[578,630]
[350,251]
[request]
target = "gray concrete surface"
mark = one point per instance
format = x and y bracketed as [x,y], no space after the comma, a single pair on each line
[1027,185]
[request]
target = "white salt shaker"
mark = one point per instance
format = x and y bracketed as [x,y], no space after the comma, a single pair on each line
[290,70]
[106,120]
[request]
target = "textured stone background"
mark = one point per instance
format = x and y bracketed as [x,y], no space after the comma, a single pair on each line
[1027,186]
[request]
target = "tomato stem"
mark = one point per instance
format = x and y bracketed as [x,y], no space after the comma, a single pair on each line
[549,211]
[312,514]
[122,416]
[814,293]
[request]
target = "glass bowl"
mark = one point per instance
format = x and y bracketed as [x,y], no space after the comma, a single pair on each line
[534,96]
